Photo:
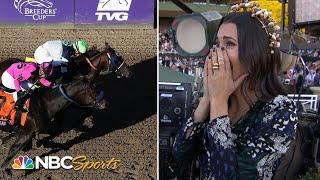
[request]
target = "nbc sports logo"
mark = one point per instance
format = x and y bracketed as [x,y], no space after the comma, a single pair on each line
[113,10]
[79,163]
[48,162]
[22,162]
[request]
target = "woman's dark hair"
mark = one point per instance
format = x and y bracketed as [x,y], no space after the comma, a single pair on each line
[255,55]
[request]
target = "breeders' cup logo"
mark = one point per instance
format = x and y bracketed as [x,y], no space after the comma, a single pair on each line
[113,10]
[37,9]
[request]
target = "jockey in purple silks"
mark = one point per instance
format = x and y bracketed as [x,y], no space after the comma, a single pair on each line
[23,77]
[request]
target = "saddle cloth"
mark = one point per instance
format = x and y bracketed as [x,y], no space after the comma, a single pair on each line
[7,111]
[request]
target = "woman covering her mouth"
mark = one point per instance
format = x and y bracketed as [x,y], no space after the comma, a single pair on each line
[243,124]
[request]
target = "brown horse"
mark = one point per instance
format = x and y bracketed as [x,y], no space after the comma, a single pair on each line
[44,105]
[95,63]
[91,65]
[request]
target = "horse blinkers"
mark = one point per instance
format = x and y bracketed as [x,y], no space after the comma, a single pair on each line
[117,64]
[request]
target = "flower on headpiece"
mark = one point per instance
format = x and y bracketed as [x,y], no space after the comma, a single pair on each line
[264,17]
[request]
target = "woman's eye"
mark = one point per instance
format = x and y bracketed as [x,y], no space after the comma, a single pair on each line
[230,44]
[216,42]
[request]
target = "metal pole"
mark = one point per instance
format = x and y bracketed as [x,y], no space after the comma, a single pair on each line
[283,11]
[182,6]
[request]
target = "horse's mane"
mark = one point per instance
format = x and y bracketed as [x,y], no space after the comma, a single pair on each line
[92,52]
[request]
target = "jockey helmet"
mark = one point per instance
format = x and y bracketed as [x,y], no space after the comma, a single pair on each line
[81,46]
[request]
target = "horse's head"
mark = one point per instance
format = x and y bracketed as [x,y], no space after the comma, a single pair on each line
[116,62]
[106,61]
[84,94]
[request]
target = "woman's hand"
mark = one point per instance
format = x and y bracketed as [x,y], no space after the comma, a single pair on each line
[220,83]
[202,111]
[205,77]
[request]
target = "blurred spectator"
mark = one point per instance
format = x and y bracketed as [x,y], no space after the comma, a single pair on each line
[316,81]
[170,58]
[299,80]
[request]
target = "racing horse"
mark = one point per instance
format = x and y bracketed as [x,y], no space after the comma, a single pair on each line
[91,65]
[44,105]
[107,61]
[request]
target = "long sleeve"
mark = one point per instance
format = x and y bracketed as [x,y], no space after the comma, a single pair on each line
[17,85]
[185,148]
[263,144]
[45,82]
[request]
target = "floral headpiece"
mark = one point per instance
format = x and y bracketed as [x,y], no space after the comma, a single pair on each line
[264,17]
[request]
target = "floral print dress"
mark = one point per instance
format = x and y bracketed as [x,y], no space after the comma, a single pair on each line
[250,150]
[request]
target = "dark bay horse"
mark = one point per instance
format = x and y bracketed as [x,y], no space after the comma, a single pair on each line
[95,63]
[91,64]
[43,107]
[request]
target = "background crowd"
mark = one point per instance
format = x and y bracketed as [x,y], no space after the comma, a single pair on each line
[302,77]
[168,57]
[294,78]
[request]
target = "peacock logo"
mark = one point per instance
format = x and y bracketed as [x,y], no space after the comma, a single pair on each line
[23,162]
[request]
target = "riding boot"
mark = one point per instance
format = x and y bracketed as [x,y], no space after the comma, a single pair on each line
[19,105]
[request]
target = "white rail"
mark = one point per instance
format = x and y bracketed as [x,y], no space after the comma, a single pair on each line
[309,101]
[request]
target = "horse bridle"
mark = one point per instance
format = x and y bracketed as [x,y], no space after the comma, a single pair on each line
[110,60]
[70,99]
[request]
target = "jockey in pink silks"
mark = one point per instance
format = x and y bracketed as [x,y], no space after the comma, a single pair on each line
[23,77]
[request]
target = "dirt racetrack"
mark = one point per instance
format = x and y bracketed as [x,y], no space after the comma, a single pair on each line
[126,131]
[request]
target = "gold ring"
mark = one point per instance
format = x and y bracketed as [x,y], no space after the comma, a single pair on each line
[215,67]
[215,64]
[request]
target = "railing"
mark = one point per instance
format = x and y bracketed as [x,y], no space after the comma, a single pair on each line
[309,101]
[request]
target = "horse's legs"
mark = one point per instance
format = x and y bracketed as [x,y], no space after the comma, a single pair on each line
[5,139]
[11,135]
[23,138]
